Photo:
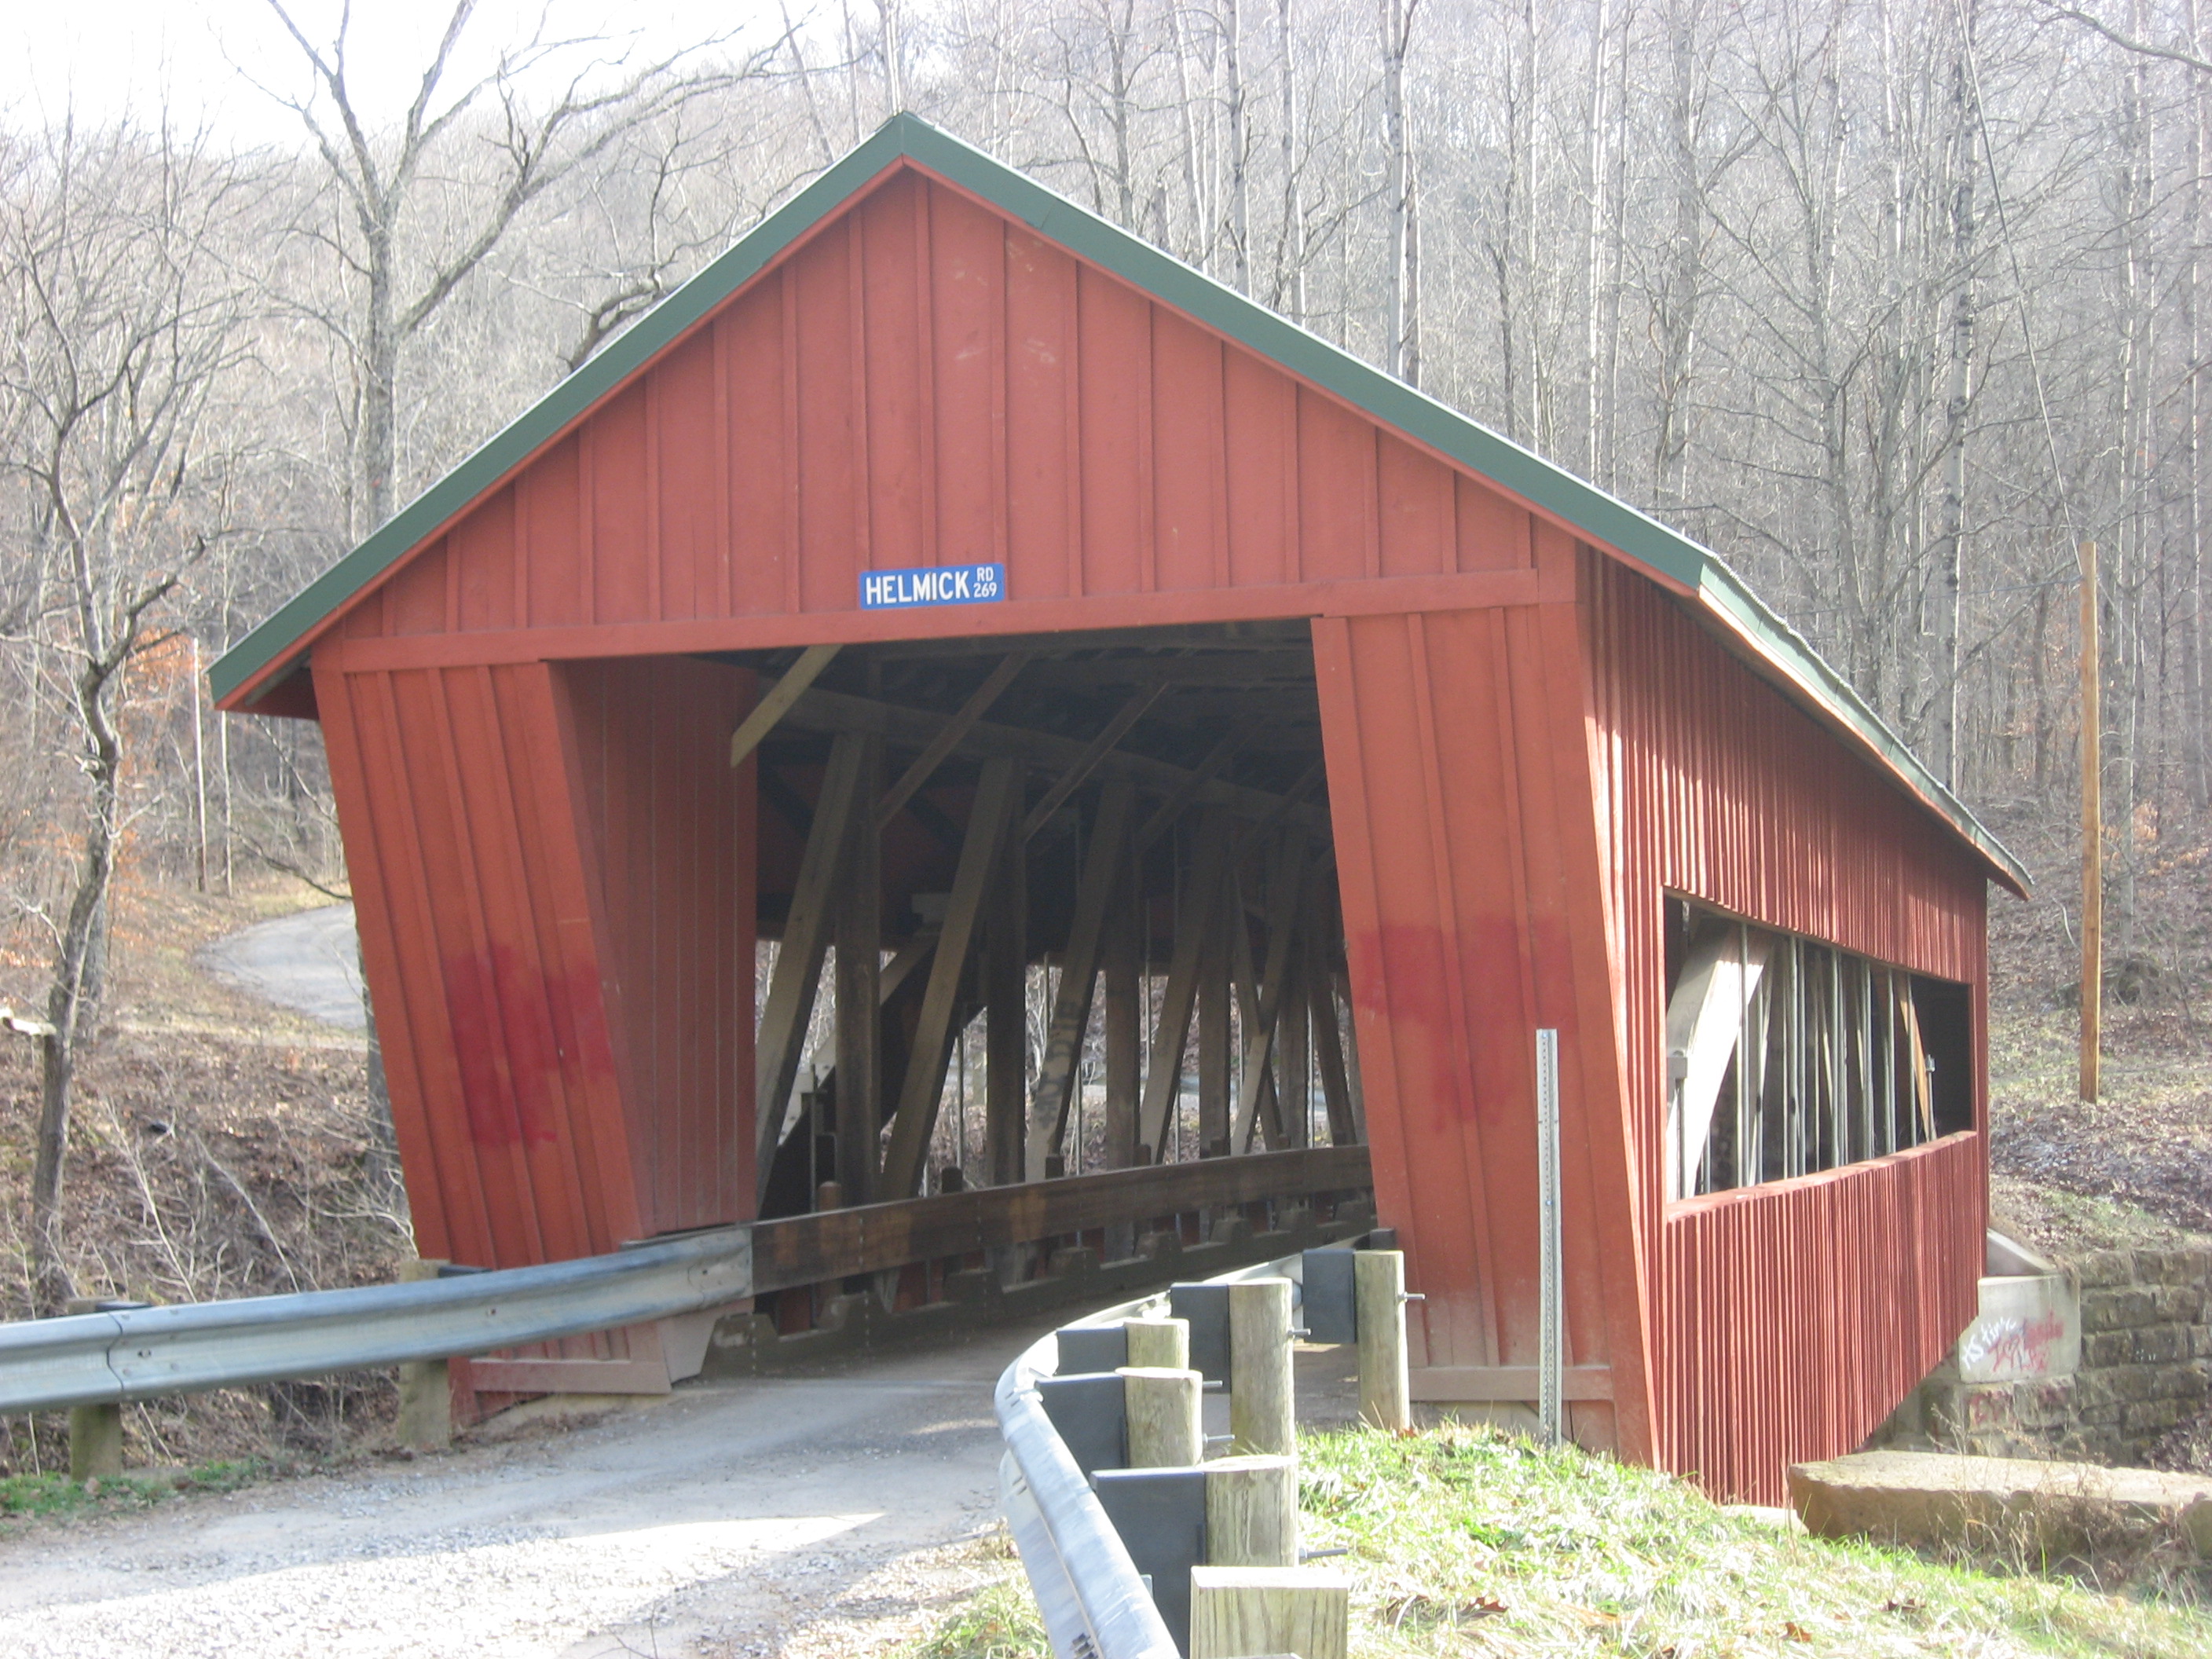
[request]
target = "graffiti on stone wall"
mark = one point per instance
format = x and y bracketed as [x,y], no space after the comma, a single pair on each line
[2011,1345]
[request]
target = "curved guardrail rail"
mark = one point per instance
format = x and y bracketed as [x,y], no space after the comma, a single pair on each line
[96,1359]
[1096,1604]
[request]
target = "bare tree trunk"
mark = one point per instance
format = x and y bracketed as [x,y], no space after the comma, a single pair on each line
[1397,26]
[2196,710]
[1966,114]
[1293,297]
[72,1002]
[1594,220]
[1240,169]
[887,14]
[1678,317]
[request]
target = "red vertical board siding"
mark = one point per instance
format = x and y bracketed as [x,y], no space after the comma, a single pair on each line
[667,830]
[924,382]
[1791,1318]
[967,346]
[459,822]
[761,510]
[1465,845]
[689,488]
[1043,464]
[827,436]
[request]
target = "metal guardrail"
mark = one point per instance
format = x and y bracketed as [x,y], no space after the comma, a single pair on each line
[140,1353]
[97,1359]
[1096,1604]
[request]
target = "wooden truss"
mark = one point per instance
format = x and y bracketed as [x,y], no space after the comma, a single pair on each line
[1165,796]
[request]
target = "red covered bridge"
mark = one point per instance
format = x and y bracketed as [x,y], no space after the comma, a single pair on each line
[1165,742]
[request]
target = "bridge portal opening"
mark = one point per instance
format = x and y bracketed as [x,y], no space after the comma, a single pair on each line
[1040,906]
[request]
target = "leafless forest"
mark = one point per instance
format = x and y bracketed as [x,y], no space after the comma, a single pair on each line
[1892,305]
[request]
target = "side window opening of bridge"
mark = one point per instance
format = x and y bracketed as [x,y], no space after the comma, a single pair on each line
[1084,885]
[1787,1056]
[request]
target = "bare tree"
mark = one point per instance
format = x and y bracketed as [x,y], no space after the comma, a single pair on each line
[1396,20]
[407,266]
[127,317]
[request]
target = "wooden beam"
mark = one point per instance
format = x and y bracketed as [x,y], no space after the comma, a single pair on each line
[1285,883]
[1289,669]
[1127,919]
[1219,916]
[1329,1042]
[782,1036]
[1187,790]
[1005,961]
[997,795]
[840,711]
[1070,1011]
[1294,798]
[1164,1080]
[1094,752]
[949,738]
[806,1249]
[1293,1049]
[778,700]
[790,805]
[859,990]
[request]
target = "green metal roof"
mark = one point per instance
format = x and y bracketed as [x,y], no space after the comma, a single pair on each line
[1602,517]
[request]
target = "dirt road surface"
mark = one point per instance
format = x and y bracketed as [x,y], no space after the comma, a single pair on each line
[309,962]
[831,1516]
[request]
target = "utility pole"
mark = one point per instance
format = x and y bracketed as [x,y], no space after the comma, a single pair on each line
[2093,830]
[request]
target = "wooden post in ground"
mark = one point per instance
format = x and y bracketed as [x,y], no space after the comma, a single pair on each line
[1158,1344]
[1269,1610]
[1252,1512]
[1378,1292]
[1261,1403]
[425,1387]
[1161,1407]
[2092,829]
[95,1442]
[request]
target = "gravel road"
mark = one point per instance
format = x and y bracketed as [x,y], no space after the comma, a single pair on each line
[309,962]
[819,1517]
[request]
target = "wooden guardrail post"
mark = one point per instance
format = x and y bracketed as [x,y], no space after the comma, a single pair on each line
[1237,1611]
[1252,1512]
[1379,1295]
[95,1441]
[1261,1404]
[1160,1407]
[426,1388]
[1159,1344]
[95,1432]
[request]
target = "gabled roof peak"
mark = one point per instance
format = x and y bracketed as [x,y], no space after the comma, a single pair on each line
[264,655]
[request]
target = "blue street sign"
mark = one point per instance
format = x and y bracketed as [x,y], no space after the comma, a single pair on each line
[958,584]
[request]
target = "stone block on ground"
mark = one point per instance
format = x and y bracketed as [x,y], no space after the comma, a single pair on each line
[2001,1504]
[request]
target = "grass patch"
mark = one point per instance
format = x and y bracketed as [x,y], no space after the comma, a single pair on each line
[998,1621]
[1468,1541]
[39,1497]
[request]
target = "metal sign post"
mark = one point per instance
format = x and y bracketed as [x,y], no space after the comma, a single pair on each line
[1551,1355]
